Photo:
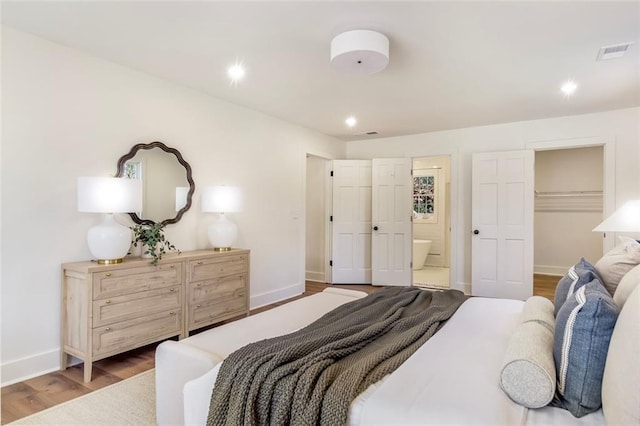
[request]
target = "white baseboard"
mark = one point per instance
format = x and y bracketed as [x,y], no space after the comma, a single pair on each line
[314,276]
[263,299]
[550,270]
[29,367]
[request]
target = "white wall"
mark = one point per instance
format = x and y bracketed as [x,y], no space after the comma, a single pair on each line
[66,114]
[563,217]
[620,126]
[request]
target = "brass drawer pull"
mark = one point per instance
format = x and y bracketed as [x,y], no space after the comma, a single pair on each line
[172,266]
[107,329]
[107,302]
[172,289]
[108,274]
[197,306]
[172,313]
[199,285]
[199,263]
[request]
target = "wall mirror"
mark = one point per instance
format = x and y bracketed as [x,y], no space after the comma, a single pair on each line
[166,182]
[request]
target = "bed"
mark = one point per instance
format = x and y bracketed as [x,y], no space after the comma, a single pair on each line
[451,379]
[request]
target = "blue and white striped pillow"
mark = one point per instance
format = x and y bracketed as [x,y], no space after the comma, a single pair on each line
[584,325]
[578,275]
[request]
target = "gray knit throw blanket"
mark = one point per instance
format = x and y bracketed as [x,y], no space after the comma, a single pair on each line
[311,376]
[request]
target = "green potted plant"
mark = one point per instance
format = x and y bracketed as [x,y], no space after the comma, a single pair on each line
[153,242]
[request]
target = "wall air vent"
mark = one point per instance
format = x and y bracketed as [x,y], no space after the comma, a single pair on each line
[371,133]
[612,52]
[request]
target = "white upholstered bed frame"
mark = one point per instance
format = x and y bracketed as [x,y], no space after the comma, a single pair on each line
[451,379]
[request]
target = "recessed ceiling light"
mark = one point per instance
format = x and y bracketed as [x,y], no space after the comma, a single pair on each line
[236,72]
[569,87]
[351,121]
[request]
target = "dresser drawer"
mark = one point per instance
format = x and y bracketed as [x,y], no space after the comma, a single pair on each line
[127,335]
[227,306]
[121,308]
[125,281]
[217,267]
[215,288]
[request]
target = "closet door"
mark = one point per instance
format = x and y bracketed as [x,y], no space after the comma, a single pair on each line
[351,230]
[391,240]
[502,224]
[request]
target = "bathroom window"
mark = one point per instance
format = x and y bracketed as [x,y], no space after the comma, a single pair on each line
[424,194]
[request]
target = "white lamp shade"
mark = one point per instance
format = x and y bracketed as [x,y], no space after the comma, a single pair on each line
[625,219]
[109,195]
[221,199]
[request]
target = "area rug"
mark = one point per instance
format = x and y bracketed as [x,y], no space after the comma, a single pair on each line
[129,402]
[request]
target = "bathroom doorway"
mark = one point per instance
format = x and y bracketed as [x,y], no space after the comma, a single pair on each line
[432,222]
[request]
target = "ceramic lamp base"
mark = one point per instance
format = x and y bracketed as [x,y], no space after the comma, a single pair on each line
[222,233]
[109,241]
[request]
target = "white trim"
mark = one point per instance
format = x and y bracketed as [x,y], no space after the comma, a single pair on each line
[550,270]
[316,276]
[31,366]
[328,230]
[269,297]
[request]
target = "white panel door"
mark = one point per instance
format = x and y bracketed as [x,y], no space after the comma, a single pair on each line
[502,224]
[392,240]
[351,230]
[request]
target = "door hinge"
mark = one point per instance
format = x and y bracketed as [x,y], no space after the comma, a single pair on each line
[330,218]
[331,173]
[331,263]
[411,172]
[411,264]
[411,218]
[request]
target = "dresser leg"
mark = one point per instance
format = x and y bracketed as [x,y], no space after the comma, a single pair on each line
[64,360]
[87,371]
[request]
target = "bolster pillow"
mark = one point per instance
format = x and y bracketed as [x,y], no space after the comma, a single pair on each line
[539,309]
[528,374]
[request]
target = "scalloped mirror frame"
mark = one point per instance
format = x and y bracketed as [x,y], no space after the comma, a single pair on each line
[147,146]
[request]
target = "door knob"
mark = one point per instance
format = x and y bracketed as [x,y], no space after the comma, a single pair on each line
[476,232]
[375,228]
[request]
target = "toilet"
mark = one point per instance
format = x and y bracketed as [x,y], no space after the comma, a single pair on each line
[420,252]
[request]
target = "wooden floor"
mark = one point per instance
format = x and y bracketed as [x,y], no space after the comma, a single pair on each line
[22,399]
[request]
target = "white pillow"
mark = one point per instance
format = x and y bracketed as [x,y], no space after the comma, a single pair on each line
[617,262]
[627,284]
[621,380]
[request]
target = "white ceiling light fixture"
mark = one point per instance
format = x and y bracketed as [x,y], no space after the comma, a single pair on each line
[360,52]
[569,88]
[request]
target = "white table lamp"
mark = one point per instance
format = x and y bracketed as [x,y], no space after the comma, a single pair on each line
[222,199]
[625,219]
[109,241]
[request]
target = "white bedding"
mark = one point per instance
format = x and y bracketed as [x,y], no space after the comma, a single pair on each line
[452,379]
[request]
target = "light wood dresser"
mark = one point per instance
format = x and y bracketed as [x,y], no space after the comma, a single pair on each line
[109,309]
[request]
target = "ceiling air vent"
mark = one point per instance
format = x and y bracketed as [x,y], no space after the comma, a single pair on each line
[371,133]
[612,52]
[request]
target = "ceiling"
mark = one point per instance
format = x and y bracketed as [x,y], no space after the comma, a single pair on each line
[452,64]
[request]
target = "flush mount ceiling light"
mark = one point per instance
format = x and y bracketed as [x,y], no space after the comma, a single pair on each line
[569,87]
[360,52]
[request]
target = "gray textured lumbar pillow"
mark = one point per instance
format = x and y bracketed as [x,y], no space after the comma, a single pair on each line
[528,374]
